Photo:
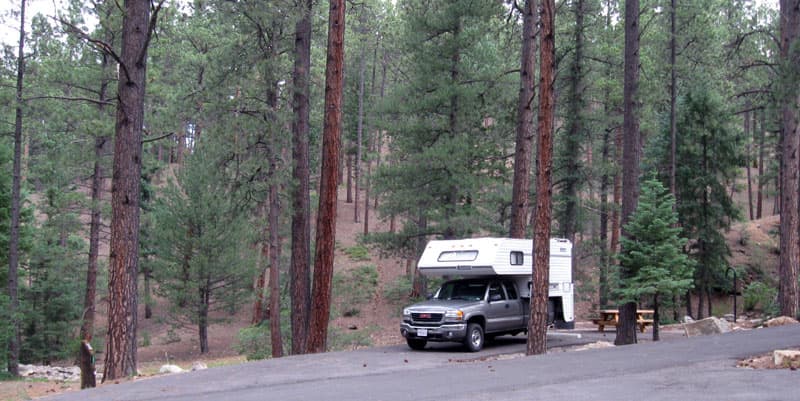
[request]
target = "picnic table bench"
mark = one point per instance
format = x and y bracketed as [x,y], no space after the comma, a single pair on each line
[610,317]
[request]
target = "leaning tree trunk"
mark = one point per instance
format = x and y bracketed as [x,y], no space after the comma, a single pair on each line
[626,330]
[301,209]
[537,325]
[326,217]
[120,357]
[13,241]
[524,142]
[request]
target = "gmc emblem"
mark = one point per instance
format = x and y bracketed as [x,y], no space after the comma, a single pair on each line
[424,315]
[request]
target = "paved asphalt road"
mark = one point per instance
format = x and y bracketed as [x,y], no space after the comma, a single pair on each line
[700,368]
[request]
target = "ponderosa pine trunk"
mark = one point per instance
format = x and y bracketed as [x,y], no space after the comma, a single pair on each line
[790,130]
[301,210]
[537,325]
[520,192]
[120,356]
[761,154]
[274,262]
[626,329]
[326,216]
[749,162]
[16,183]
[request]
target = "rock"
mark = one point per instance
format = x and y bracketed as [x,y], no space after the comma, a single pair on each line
[786,357]
[780,321]
[597,345]
[707,326]
[199,366]
[688,319]
[353,327]
[170,369]
[756,322]
[728,317]
[57,373]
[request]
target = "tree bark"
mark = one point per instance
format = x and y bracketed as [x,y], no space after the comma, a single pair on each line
[748,161]
[120,357]
[656,317]
[569,224]
[301,209]
[673,100]
[16,183]
[761,152]
[274,263]
[537,325]
[326,217]
[626,329]
[349,172]
[520,193]
[359,133]
[202,316]
[98,175]
[790,130]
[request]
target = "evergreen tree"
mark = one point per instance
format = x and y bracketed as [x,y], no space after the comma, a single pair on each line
[653,250]
[204,260]
[708,154]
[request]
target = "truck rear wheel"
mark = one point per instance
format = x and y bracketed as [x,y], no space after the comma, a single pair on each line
[416,344]
[475,338]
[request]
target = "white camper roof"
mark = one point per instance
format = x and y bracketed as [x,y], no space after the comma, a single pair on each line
[485,256]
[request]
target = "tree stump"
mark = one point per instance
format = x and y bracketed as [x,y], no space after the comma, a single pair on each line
[88,379]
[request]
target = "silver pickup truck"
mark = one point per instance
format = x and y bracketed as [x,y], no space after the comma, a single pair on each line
[467,311]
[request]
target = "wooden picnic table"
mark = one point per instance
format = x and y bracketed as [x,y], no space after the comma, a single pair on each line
[610,317]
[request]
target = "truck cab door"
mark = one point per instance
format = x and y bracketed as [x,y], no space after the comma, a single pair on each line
[499,310]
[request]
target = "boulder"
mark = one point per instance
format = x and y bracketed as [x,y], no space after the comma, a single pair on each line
[170,369]
[199,366]
[707,326]
[786,357]
[780,321]
[597,345]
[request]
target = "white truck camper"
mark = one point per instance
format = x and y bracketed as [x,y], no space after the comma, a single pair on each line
[509,259]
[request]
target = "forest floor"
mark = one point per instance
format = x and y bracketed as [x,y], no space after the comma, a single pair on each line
[753,244]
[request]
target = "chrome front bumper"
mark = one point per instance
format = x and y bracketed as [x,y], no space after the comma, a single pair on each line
[445,332]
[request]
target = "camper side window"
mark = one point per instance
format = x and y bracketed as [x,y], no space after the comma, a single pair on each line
[458,256]
[516,258]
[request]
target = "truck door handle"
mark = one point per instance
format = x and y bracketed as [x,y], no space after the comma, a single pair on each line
[508,306]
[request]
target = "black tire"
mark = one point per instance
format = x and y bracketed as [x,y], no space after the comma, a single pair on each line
[416,344]
[475,338]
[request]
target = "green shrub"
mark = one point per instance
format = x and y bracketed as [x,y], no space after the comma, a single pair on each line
[760,295]
[254,342]
[343,340]
[358,253]
[355,287]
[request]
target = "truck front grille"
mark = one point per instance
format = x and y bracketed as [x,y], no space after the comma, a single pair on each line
[426,317]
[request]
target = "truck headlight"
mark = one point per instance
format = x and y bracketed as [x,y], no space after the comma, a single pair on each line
[406,312]
[454,315]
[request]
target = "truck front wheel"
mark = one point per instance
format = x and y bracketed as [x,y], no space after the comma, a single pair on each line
[416,344]
[475,338]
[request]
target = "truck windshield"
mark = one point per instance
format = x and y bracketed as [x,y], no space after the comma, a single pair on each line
[468,291]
